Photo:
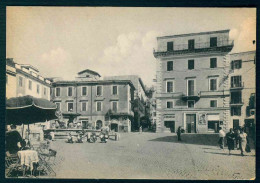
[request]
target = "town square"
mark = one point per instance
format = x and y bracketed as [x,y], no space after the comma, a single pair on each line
[130,93]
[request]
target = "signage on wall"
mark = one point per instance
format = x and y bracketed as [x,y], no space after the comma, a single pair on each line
[167,116]
[202,119]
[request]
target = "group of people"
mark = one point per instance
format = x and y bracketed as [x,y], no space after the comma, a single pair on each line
[235,139]
[90,136]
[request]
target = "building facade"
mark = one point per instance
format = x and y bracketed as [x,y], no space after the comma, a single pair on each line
[242,89]
[23,79]
[140,103]
[192,89]
[93,103]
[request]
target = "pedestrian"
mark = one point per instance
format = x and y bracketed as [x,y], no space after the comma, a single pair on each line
[140,129]
[230,140]
[179,133]
[242,141]
[236,133]
[13,140]
[221,138]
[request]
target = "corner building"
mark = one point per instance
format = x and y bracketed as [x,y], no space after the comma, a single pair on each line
[192,85]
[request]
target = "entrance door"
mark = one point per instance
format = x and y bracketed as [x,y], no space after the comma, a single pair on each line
[171,125]
[98,124]
[213,126]
[191,123]
[235,123]
[114,127]
[84,124]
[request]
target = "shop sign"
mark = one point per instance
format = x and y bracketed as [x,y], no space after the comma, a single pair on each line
[202,119]
[169,116]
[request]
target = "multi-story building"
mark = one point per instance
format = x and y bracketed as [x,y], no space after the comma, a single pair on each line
[242,89]
[23,79]
[140,107]
[10,79]
[92,102]
[192,82]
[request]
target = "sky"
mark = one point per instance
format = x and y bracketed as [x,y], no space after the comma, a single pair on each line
[62,41]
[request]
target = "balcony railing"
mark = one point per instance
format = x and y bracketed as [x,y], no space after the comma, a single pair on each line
[225,45]
[239,85]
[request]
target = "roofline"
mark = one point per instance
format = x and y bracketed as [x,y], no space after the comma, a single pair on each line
[93,82]
[193,34]
[94,72]
[243,52]
[28,65]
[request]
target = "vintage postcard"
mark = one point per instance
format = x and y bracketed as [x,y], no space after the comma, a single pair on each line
[130,93]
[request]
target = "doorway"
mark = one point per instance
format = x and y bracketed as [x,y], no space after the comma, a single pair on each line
[171,125]
[191,123]
[114,127]
[213,126]
[235,123]
[98,124]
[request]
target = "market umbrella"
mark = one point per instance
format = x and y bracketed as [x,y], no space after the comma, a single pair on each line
[28,110]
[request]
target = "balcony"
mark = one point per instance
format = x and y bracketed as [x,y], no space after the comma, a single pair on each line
[236,102]
[190,97]
[237,86]
[222,46]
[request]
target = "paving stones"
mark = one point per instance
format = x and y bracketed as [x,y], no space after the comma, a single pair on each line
[139,156]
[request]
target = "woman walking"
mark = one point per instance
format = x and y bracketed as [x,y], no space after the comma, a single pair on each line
[230,140]
[242,141]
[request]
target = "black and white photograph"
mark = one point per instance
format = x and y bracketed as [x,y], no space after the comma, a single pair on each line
[159,93]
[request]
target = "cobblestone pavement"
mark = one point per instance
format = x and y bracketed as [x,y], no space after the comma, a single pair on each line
[152,156]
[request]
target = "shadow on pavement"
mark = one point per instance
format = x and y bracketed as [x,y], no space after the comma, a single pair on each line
[199,139]
[226,154]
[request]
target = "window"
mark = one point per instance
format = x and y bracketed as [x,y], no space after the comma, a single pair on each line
[114,106]
[190,64]
[169,65]
[236,81]
[169,86]
[57,92]
[69,91]
[154,113]
[114,90]
[191,87]
[169,46]
[83,106]
[236,111]
[38,88]
[99,90]
[236,64]
[169,104]
[58,106]
[20,81]
[99,106]
[70,106]
[30,85]
[191,103]
[213,41]
[44,91]
[213,62]
[83,91]
[213,103]
[213,84]
[191,44]
[236,97]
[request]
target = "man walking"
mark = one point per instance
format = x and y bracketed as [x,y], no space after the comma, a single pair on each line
[221,138]
[179,133]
